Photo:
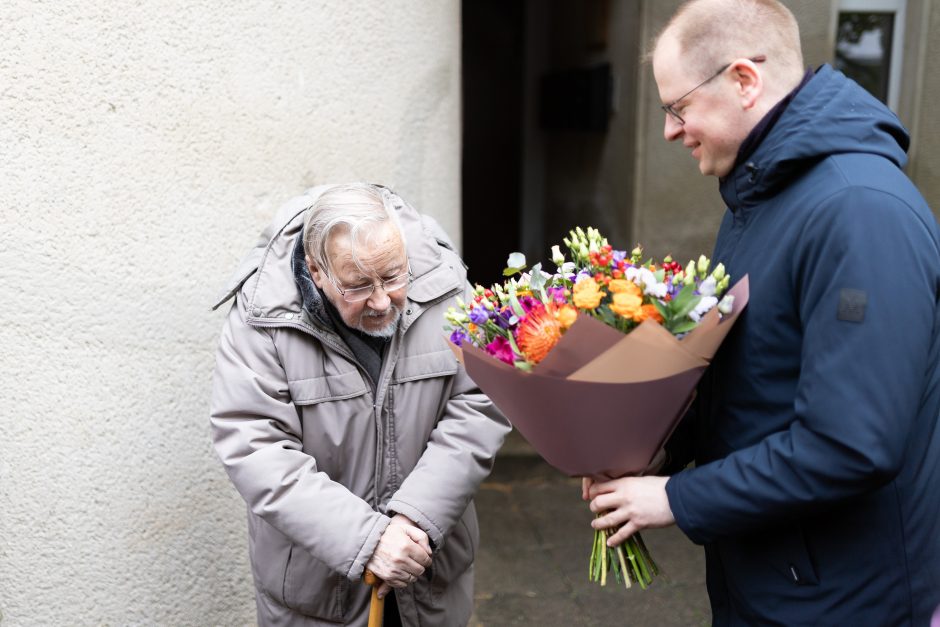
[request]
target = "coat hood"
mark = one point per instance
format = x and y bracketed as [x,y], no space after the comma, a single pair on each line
[267,279]
[830,115]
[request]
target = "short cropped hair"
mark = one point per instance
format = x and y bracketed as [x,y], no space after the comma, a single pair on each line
[714,32]
[354,209]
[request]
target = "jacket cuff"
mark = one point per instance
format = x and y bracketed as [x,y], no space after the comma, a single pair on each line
[426,524]
[675,488]
[358,567]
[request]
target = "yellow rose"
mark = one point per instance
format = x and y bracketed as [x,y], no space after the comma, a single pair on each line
[587,294]
[626,304]
[566,315]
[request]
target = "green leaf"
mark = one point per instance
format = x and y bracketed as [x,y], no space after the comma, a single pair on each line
[682,326]
[514,302]
[685,302]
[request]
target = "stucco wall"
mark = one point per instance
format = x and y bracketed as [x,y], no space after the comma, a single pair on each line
[143,147]
[677,210]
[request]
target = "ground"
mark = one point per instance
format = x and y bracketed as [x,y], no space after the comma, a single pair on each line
[532,566]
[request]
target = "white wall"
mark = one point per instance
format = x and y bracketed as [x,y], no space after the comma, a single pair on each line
[142,147]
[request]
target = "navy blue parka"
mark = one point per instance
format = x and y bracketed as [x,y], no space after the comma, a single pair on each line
[816,490]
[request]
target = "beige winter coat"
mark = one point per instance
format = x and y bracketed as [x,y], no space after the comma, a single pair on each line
[320,459]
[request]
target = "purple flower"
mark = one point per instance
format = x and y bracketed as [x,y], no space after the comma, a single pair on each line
[503,317]
[501,349]
[557,294]
[528,303]
[619,255]
[479,315]
[458,337]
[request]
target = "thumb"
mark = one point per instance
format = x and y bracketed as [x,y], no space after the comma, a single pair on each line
[419,537]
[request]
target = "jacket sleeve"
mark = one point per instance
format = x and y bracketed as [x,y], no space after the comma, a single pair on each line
[459,455]
[256,432]
[861,378]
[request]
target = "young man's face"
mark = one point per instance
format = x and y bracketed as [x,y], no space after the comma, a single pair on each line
[713,126]
[381,257]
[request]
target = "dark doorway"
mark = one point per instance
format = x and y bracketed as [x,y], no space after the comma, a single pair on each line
[493,73]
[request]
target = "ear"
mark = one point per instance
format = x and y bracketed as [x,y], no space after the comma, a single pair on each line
[315,273]
[749,82]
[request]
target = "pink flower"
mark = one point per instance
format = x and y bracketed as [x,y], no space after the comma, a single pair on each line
[501,349]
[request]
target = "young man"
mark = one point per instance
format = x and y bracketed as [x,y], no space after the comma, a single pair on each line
[345,421]
[816,490]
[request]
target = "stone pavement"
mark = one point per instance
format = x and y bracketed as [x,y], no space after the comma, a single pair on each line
[531,568]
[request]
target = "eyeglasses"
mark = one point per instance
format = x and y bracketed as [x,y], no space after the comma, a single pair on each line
[359,294]
[670,108]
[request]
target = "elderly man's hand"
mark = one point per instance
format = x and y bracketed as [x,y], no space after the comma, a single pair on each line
[633,502]
[402,554]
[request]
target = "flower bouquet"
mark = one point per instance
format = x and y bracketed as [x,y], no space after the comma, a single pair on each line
[596,363]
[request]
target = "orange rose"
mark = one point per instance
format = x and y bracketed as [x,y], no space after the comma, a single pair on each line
[647,312]
[587,294]
[566,315]
[626,304]
[617,286]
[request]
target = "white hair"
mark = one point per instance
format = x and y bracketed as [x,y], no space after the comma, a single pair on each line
[355,209]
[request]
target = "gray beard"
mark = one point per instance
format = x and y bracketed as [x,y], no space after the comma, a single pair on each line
[389,329]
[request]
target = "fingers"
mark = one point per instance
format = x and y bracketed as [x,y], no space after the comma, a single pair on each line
[622,534]
[421,539]
[586,483]
[384,589]
[605,487]
[604,502]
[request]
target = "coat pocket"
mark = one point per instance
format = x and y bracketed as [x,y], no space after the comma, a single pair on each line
[425,366]
[458,552]
[313,588]
[334,387]
[790,556]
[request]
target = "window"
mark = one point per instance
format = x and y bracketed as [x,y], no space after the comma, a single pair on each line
[869,41]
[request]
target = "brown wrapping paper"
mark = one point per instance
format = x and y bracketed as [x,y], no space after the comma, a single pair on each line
[603,403]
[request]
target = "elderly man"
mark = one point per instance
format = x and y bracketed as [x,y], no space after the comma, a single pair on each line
[816,490]
[343,418]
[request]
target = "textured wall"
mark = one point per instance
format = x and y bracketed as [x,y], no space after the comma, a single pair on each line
[678,210]
[143,146]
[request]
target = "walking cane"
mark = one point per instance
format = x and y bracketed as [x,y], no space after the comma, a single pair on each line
[377,605]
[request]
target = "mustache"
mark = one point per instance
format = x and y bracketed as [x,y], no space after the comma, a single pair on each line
[372,313]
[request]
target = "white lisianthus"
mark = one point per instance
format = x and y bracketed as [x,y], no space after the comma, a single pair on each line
[557,258]
[708,286]
[704,306]
[726,304]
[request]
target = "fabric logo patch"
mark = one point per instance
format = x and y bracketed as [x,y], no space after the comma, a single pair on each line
[852,305]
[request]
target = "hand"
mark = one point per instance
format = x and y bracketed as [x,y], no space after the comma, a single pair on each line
[402,554]
[659,460]
[634,502]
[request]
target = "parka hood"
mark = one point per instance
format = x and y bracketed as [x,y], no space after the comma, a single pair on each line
[829,115]
[266,277]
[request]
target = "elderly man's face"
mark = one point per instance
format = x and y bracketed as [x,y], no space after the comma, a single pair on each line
[382,257]
[714,123]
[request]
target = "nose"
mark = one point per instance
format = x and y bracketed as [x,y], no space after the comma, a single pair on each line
[379,300]
[672,130]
